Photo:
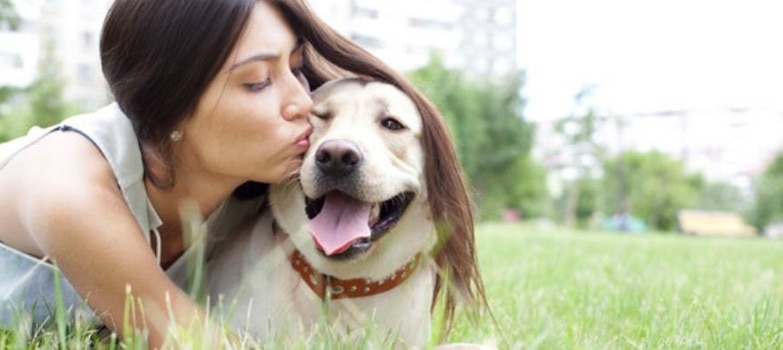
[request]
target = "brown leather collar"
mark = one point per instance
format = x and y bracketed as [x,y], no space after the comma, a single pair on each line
[328,287]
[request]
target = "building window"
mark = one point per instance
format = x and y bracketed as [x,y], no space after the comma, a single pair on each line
[366,41]
[503,42]
[479,39]
[12,60]
[428,24]
[85,73]
[87,40]
[482,14]
[501,67]
[480,65]
[368,9]
[365,12]
[504,17]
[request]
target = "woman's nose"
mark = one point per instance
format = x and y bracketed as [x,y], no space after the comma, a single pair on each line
[300,103]
[297,109]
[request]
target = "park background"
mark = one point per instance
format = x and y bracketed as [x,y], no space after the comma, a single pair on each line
[625,157]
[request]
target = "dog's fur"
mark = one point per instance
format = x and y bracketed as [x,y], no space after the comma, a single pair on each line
[400,152]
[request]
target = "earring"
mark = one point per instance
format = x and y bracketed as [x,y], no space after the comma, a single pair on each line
[176,135]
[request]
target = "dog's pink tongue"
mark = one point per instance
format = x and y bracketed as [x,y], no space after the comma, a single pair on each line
[342,221]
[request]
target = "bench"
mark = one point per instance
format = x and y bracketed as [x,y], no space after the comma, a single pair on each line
[713,223]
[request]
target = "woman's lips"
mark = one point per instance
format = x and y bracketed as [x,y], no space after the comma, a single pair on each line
[303,140]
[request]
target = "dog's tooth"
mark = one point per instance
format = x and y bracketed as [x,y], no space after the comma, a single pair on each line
[375,213]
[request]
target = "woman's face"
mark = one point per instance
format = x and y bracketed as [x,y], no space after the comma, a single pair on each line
[251,122]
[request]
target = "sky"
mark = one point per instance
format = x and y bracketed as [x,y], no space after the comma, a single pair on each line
[651,56]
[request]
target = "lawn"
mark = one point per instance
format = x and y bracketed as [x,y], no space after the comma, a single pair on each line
[556,289]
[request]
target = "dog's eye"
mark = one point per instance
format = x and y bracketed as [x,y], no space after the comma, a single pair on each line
[324,115]
[392,124]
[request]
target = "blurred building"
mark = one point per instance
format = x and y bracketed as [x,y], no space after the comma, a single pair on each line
[73,28]
[724,145]
[478,36]
[56,37]
[20,48]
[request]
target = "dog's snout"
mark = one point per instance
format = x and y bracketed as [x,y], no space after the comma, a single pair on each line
[338,157]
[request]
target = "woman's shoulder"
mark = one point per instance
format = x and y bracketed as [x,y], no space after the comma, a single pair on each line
[49,162]
[112,133]
[107,117]
[61,159]
[58,178]
[82,148]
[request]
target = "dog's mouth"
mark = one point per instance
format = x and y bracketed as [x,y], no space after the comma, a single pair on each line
[343,226]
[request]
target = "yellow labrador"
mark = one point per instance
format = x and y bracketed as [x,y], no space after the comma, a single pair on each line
[355,240]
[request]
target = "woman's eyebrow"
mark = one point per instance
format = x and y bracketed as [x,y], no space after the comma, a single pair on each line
[259,57]
[265,56]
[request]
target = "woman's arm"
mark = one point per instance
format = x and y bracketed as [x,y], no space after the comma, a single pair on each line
[74,213]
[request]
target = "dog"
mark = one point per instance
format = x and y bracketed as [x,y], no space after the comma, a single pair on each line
[375,228]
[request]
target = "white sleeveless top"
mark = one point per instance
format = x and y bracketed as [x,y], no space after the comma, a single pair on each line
[27,285]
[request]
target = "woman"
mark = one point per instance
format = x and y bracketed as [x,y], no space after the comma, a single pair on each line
[211,98]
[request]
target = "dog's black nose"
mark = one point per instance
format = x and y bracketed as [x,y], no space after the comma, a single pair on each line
[338,157]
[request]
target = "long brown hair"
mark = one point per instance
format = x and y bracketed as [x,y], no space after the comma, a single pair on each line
[158,57]
[330,56]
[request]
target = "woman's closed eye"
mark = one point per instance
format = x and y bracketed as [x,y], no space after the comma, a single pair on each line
[298,73]
[256,87]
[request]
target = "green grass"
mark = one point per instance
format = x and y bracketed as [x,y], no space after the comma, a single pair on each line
[556,289]
[553,289]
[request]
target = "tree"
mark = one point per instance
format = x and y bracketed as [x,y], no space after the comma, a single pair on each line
[40,104]
[458,101]
[768,205]
[722,196]
[657,186]
[8,15]
[522,188]
[578,133]
[491,137]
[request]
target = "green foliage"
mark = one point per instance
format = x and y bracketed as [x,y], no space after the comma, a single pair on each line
[651,185]
[587,203]
[775,168]
[8,14]
[522,188]
[40,104]
[457,100]
[492,139]
[578,132]
[768,206]
[528,194]
[722,196]
[580,202]
[47,105]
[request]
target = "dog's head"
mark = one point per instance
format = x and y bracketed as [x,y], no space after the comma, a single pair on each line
[380,183]
[362,185]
